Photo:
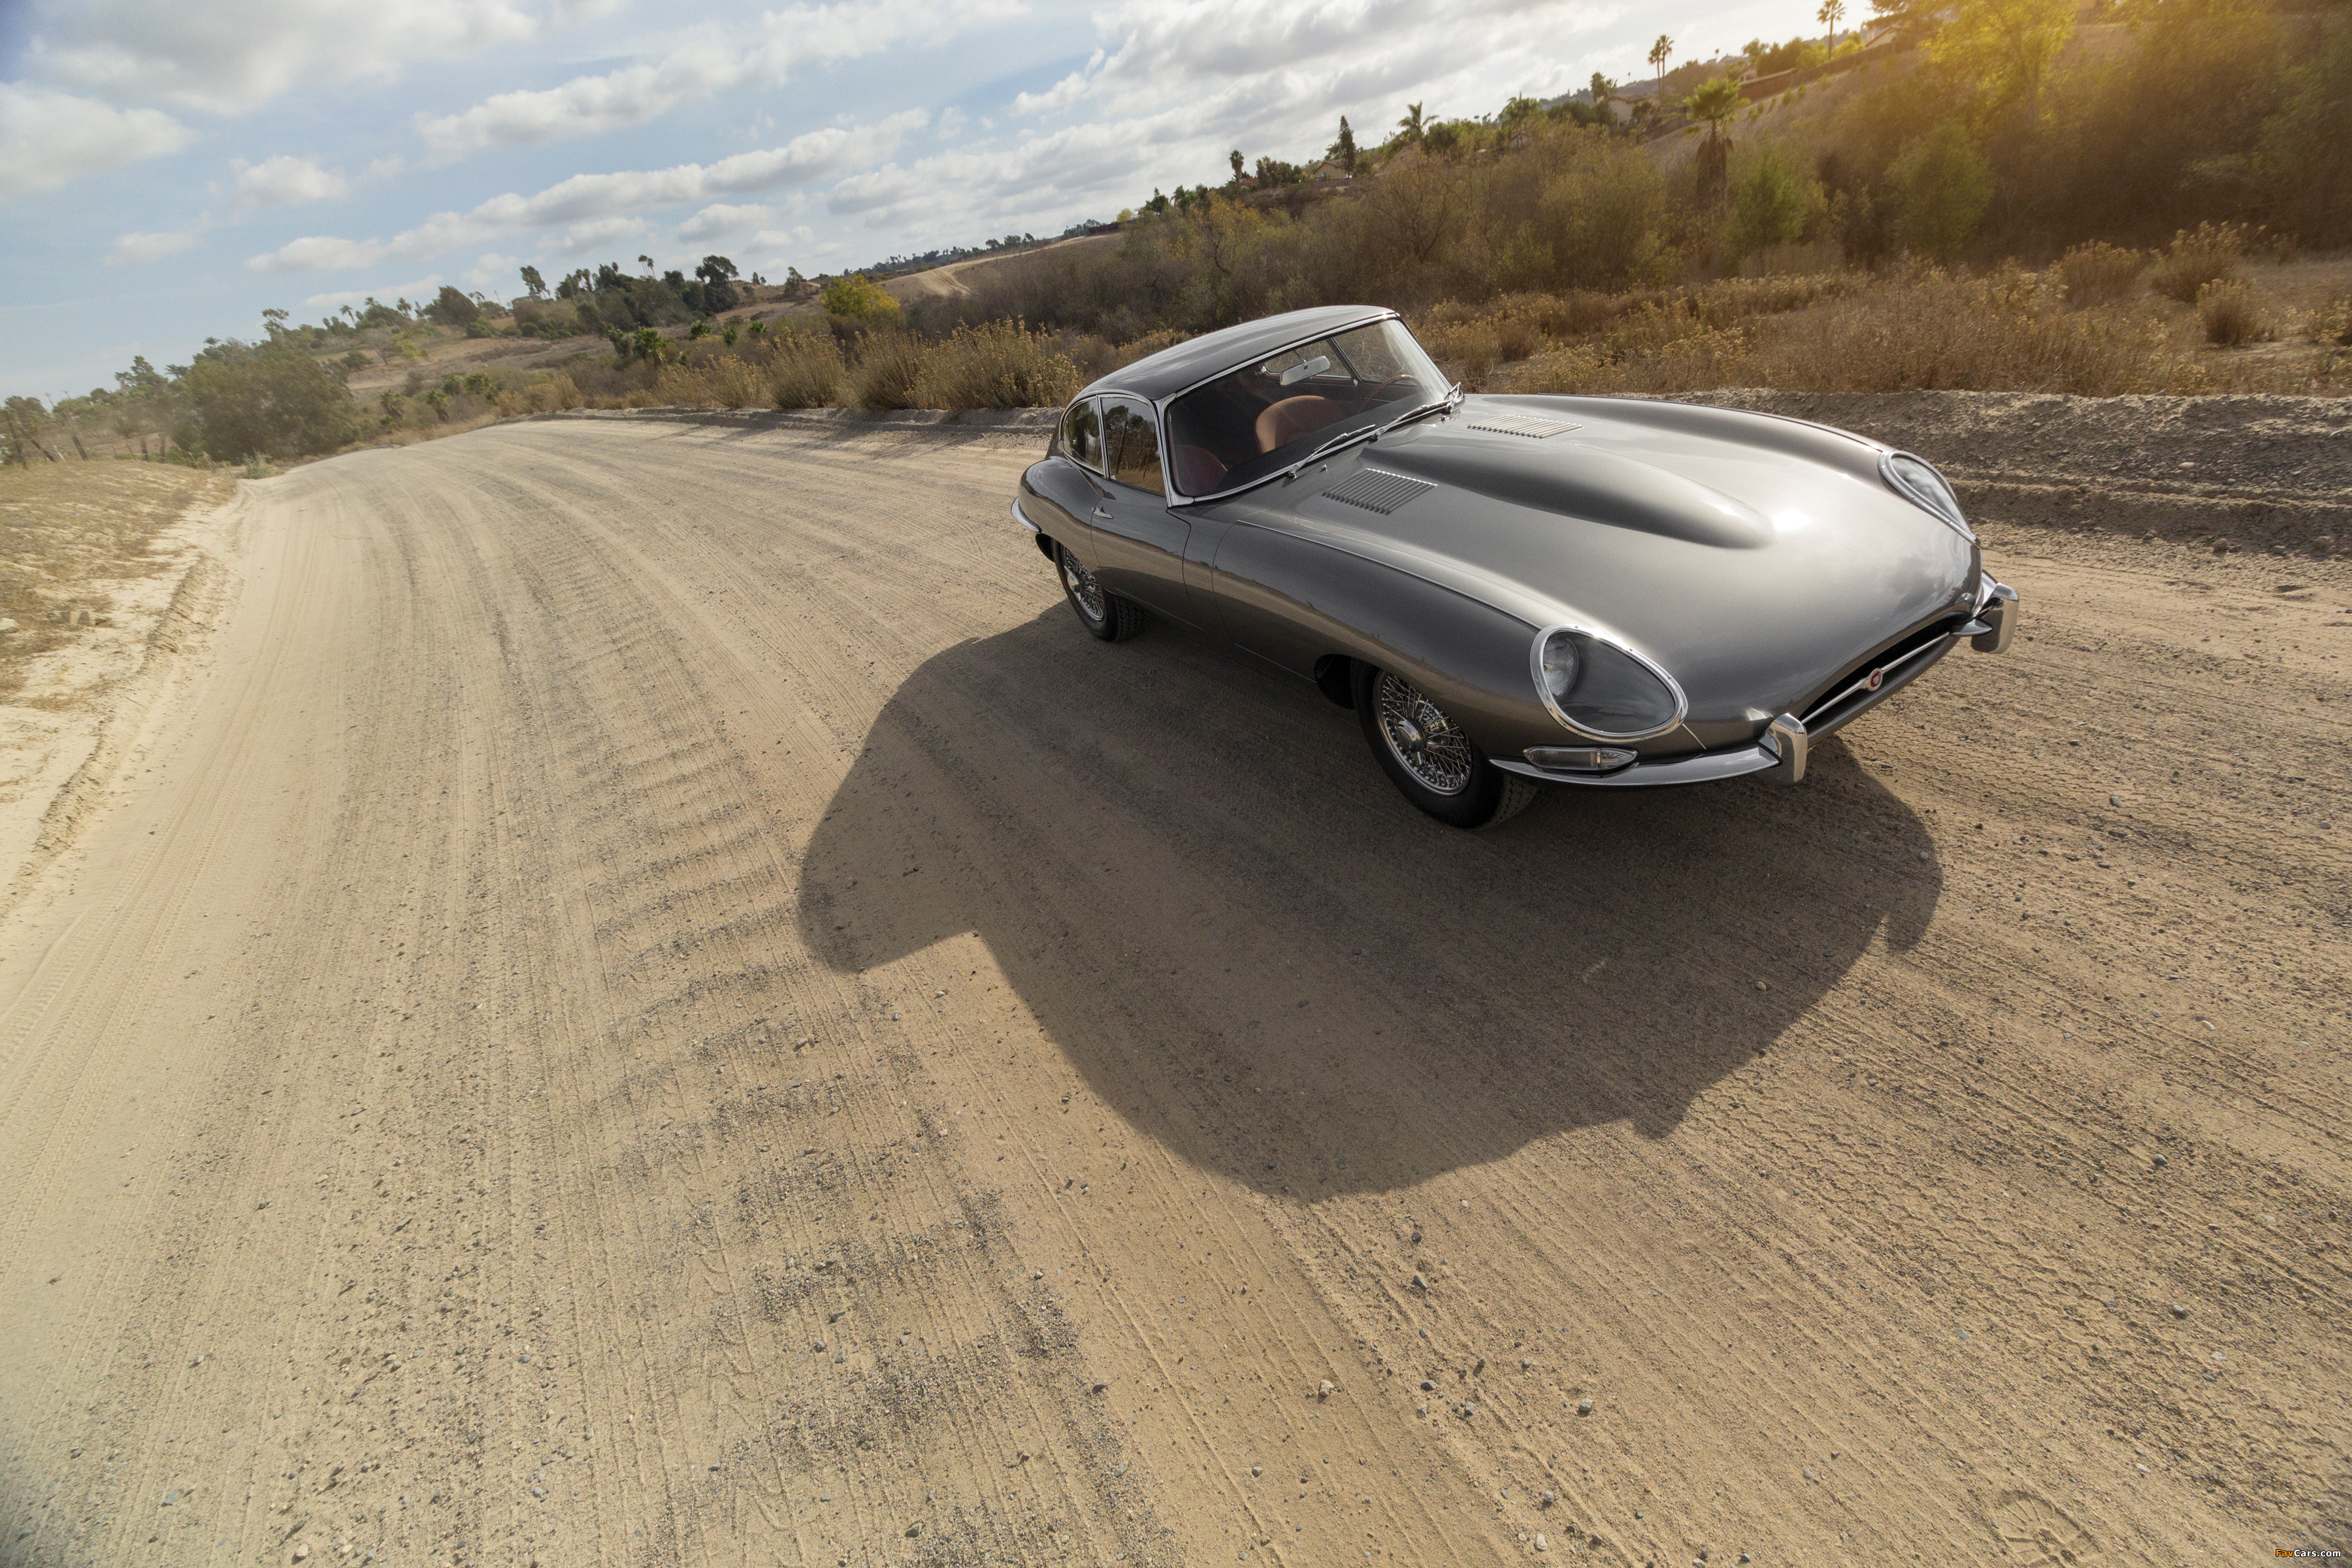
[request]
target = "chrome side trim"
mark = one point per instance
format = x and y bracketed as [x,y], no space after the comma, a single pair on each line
[1705,767]
[1023,518]
[1543,693]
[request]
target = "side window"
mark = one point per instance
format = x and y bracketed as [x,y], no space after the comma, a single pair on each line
[1082,434]
[1133,440]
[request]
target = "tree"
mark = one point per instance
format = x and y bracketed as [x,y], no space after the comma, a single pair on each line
[855,298]
[1941,186]
[1660,53]
[1712,105]
[1770,204]
[2005,46]
[718,293]
[275,401]
[1343,151]
[1235,158]
[1832,13]
[1410,128]
[452,308]
[533,284]
[1604,93]
[649,264]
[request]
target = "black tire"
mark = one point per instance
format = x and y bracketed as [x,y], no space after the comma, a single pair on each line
[1451,780]
[1104,615]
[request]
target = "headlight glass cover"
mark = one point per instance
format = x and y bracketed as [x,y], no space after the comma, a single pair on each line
[1602,690]
[1917,480]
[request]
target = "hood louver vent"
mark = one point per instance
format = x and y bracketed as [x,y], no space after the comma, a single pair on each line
[1377,491]
[1528,425]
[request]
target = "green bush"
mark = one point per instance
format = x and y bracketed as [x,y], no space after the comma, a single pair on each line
[277,401]
[1771,202]
[855,299]
[1942,185]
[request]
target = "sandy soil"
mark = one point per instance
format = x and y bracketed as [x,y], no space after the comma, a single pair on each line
[658,1002]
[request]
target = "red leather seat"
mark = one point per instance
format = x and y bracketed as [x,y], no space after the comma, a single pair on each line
[1197,470]
[1286,421]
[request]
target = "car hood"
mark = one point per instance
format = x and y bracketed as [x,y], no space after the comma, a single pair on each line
[1755,557]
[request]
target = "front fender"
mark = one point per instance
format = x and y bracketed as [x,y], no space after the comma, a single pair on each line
[1300,603]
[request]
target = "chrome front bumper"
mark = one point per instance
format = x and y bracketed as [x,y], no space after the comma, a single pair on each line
[1786,740]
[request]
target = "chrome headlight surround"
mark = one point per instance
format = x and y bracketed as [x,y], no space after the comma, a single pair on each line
[1921,483]
[1538,671]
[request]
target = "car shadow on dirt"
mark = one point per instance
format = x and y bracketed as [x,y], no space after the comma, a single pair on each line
[1203,891]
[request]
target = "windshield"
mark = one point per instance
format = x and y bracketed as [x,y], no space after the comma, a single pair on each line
[1264,416]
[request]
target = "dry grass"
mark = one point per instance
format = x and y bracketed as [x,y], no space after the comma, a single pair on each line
[2208,254]
[2099,273]
[66,526]
[1001,365]
[805,370]
[2013,331]
[2230,317]
[889,363]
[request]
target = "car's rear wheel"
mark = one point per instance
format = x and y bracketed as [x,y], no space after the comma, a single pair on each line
[1430,759]
[1104,615]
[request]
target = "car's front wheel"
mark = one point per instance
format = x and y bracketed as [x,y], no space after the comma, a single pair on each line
[1429,758]
[1104,615]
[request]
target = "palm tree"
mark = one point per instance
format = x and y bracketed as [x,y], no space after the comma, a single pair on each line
[1660,53]
[1713,104]
[1832,13]
[1411,124]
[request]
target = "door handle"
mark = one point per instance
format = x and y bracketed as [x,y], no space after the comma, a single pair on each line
[1102,514]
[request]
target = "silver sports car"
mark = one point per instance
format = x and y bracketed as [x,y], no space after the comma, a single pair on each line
[1507,589]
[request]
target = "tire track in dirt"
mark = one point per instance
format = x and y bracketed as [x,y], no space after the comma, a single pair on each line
[662,899]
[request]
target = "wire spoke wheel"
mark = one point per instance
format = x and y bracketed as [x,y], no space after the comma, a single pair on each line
[1085,592]
[1425,741]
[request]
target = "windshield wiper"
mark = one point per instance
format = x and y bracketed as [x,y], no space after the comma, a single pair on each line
[1453,396]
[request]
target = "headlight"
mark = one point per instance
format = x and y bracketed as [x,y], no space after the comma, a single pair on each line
[1600,688]
[1916,482]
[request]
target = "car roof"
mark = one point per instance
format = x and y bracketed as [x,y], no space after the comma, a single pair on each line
[1196,360]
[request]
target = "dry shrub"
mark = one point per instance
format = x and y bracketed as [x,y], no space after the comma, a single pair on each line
[1731,300]
[2227,313]
[1149,343]
[890,364]
[805,370]
[541,395]
[725,382]
[2000,333]
[2099,273]
[1001,364]
[2332,322]
[1577,368]
[1652,328]
[1467,350]
[2209,254]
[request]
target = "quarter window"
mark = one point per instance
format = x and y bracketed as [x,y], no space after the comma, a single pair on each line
[1131,438]
[1082,434]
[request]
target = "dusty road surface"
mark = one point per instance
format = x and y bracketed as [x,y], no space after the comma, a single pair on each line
[651,999]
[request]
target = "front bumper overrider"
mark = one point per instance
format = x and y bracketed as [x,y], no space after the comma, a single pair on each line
[1786,741]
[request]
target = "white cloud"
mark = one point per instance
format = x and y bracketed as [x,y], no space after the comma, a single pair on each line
[230,56]
[286,182]
[713,60]
[138,249]
[48,138]
[1061,95]
[422,290]
[717,221]
[493,270]
[582,237]
[586,198]
[953,121]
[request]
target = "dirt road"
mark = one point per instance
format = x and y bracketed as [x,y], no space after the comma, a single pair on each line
[651,999]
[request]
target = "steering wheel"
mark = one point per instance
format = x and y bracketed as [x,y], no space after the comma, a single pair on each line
[1377,394]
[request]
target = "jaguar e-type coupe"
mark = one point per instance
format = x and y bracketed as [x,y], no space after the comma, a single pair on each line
[1507,589]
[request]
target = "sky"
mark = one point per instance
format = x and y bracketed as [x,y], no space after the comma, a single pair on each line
[169,169]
